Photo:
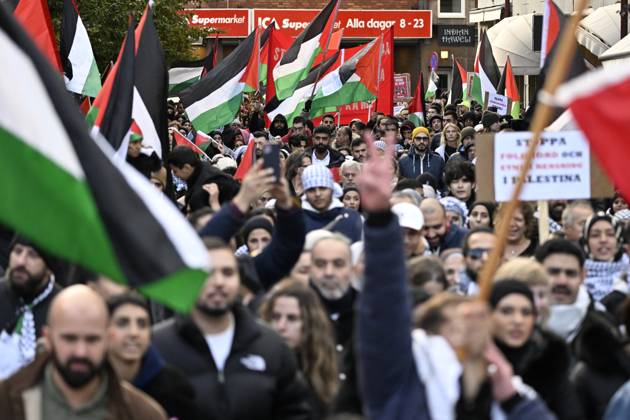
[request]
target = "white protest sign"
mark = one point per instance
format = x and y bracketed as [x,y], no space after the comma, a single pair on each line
[561,169]
[500,102]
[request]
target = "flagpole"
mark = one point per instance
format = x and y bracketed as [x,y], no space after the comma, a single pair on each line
[378,69]
[319,68]
[559,68]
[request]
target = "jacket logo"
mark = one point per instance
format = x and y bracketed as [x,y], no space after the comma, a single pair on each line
[254,362]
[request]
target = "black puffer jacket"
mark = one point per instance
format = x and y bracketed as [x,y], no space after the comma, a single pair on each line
[204,173]
[260,380]
[544,365]
[603,365]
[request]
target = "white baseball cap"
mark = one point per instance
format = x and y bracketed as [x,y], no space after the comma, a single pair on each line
[409,216]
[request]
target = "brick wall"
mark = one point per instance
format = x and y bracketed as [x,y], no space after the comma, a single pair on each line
[301,4]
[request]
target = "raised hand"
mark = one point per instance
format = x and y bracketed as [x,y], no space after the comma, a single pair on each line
[213,195]
[375,181]
[256,182]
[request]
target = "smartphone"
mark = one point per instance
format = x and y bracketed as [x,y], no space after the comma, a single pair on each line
[271,158]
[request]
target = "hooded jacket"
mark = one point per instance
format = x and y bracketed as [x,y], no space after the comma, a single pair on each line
[412,165]
[335,218]
[205,173]
[336,158]
[260,380]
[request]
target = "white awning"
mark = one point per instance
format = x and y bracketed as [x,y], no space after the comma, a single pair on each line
[619,51]
[486,14]
[600,30]
[513,36]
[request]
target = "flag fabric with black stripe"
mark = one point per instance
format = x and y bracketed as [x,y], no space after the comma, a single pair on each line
[151,87]
[214,100]
[458,82]
[486,66]
[296,63]
[100,213]
[184,74]
[77,58]
[416,106]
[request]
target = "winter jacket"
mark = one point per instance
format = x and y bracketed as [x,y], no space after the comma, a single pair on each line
[603,365]
[20,395]
[345,221]
[412,166]
[544,366]
[454,238]
[336,158]
[279,257]
[260,380]
[205,173]
[165,384]
[392,388]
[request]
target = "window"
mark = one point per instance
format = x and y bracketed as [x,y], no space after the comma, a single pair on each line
[452,8]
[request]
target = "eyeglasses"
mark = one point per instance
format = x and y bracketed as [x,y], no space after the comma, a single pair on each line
[569,272]
[421,138]
[477,253]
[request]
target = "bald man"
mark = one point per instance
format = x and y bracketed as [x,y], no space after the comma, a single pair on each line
[437,231]
[72,378]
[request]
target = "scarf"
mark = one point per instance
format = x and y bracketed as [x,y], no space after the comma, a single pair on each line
[25,327]
[564,320]
[600,276]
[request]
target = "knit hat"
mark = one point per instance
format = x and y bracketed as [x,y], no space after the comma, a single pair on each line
[51,262]
[489,118]
[257,222]
[317,176]
[225,162]
[452,204]
[468,132]
[502,288]
[407,125]
[417,130]
[409,216]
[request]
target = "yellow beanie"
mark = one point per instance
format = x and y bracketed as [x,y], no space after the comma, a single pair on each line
[419,130]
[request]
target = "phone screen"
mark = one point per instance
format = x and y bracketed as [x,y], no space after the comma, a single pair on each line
[271,158]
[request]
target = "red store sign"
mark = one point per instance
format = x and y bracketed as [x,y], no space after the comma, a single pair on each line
[412,24]
[231,23]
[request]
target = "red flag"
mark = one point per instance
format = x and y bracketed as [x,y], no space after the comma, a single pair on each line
[552,23]
[333,47]
[85,105]
[181,140]
[385,101]
[35,18]
[201,137]
[511,89]
[599,101]
[275,47]
[252,71]
[246,161]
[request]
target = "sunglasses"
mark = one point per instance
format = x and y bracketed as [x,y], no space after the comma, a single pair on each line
[421,138]
[477,253]
[569,272]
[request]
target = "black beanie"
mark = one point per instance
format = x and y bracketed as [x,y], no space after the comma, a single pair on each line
[51,262]
[489,118]
[502,288]
[257,222]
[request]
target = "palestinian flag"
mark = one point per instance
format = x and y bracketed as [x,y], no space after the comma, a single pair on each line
[135,134]
[434,79]
[112,108]
[297,61]
[181,140]
[554,21]
[215,100]
[507,86]
[201,138]
[271,53]
[486,66]
[35,18]
[355,80]
[294,104]
[416,106]
[184,74]
[129,231]
[151,84]
[79,66]
[333,46]
[474,89]
[458,82]
[599,101]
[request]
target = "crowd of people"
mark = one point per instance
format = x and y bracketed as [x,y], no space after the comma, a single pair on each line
[345,289]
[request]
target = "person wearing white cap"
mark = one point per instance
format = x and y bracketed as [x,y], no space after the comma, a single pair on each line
[324,211]
[411,221]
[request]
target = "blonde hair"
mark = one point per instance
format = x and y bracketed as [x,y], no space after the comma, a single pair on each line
[525,270]
[443,135]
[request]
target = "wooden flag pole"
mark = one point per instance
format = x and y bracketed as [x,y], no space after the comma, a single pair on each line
[559,68]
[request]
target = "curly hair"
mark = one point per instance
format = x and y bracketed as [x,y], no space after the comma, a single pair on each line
[316,353]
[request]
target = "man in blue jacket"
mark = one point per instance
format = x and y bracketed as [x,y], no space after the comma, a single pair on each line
[392,388]
[420,158]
